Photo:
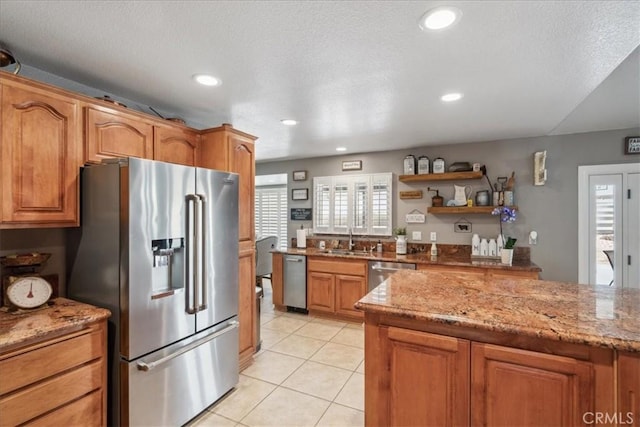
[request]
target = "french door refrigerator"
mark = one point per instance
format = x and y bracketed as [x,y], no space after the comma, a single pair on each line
[158,246]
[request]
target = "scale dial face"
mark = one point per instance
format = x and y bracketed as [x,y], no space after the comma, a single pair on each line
[29,292]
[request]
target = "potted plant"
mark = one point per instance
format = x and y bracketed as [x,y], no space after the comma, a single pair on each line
[401,240]
[507,252]
[506,214]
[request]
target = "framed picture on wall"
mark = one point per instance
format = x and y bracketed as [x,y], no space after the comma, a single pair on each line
[299,175]
[352,165]
[300,194]
[632,145]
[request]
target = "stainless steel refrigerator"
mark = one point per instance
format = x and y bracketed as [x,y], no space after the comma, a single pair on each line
[158,246]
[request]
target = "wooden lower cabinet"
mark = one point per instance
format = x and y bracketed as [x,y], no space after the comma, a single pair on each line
[277,280]
[349,289]
[629,388]
[335,285]
[421,378]
[321,291]
[429,379]
[246,304]
[61,381]
[525,388]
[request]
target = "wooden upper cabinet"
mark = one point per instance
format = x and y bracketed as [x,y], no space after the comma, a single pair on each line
[40,158]
[113,134]
[175,145]
[225,148]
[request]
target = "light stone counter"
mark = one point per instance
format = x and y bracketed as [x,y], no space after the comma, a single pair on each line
[59,317]
[593,315]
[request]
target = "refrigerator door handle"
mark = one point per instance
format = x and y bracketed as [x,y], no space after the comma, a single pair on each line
[202,268]
[191,255]
[144,366]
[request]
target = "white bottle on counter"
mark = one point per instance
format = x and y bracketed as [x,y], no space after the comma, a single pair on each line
[499,245]
[475,245]
[492,247]
[484,247]
[434,249]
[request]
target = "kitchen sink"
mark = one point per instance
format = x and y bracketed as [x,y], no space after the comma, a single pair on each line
[344,252]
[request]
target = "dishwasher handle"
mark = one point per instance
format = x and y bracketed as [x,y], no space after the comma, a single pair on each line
[294,259]
[377,268]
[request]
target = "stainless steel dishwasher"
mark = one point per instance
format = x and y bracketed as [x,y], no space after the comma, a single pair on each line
[379,271]
[295,282]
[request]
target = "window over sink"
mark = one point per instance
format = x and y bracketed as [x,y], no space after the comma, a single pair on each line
[361,204]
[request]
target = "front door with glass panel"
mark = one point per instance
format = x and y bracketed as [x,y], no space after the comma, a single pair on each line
[609,225]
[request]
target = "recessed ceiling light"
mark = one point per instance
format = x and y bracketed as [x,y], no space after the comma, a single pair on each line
[439,18]
[289,122]
[341,148]
[207,80]
[450,97]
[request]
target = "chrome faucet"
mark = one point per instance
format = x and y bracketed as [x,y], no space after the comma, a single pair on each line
[352,245]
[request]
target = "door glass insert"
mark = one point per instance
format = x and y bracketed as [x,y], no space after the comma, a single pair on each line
[604,229]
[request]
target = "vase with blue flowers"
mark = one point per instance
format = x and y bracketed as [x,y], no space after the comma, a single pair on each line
[507,214]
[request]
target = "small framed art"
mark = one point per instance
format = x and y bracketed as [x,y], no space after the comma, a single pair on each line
[300,194]
[299,175]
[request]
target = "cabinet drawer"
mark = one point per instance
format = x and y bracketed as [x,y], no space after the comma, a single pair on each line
[32,401]
[353,268]
[86,411]
[44,362]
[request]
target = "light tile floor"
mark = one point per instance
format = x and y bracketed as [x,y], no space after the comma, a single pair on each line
[309,372]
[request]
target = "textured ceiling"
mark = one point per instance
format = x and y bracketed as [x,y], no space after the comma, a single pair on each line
[359,74]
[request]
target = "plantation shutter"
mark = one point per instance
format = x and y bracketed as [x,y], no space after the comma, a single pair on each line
[271,212]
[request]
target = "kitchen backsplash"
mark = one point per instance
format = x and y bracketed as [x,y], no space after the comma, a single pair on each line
[366,244]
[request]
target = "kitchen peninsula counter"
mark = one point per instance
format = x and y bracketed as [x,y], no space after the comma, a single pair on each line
[594,315]
[425,259]
[60,317]
[441,349]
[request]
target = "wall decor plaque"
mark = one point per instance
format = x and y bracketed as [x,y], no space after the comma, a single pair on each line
[301,214]
[352,165]
[415,217]
[417,194]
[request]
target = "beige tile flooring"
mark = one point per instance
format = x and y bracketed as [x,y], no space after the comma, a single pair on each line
[309,372]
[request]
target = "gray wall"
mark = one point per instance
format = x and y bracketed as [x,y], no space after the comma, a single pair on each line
[551,210]
[46,240]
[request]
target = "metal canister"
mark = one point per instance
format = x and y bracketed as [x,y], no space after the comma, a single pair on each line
[410,165]
[482,198]
[438,165]
[423,165]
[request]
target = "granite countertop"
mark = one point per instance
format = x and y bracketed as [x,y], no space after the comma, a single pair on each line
[458,260]
[59,317]
[594,315]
